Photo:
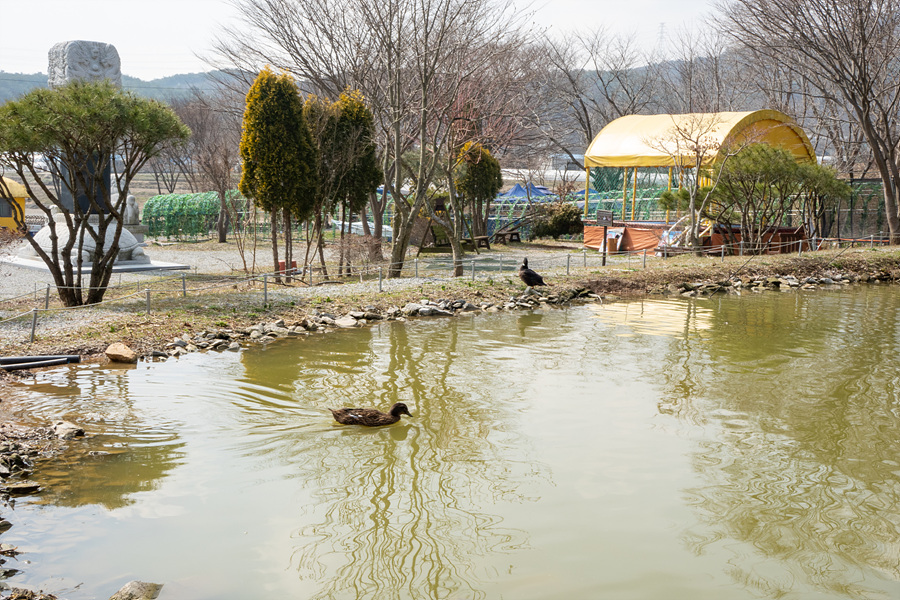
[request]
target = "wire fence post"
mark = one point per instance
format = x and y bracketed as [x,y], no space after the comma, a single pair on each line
[501,265]
[473,269]
[584,258]
[47,298]
[568,260]
[800,248]
[183,287]
[33,323]
[380,278]
[417,268]
[872,241]
[147,291]
[723,251]
[265,288]
[310,274]
[645,258]
[742,247]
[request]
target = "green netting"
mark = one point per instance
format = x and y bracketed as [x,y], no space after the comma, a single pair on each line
[609,184]
[183,215]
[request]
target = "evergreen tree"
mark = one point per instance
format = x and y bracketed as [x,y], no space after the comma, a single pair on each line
[479,180]
[279,158]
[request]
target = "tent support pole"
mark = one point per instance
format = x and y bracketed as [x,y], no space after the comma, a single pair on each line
[633,193]
[624,190]
[587,188]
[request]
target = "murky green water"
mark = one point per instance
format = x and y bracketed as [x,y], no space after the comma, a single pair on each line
[727,448]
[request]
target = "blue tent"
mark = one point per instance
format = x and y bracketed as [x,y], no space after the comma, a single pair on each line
[538,193]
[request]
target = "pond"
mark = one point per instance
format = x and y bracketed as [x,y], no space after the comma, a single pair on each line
[733,447]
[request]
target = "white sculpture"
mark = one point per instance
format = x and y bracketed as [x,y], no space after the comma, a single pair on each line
[87,61]
[132,214]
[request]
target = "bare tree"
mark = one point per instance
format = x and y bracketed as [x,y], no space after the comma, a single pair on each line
[167,168]
[591,80]
[849,51]
[692,143]
[398,53]
[213,148]
[704,75]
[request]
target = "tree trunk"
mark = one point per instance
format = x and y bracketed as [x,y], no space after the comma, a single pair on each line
[288,245]
[378,207]
[342,246]
[274,219]
[222,221]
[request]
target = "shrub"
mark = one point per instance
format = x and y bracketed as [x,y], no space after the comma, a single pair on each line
[556,219]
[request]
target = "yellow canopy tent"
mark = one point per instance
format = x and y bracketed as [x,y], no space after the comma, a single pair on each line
[18,193]
[670,140]
[653,141]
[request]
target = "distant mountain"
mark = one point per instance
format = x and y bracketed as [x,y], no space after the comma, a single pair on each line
[13,85]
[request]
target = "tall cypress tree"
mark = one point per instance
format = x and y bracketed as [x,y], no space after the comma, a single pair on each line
[279,159]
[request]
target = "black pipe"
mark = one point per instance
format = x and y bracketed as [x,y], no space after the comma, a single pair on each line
[14,360]
[51,362]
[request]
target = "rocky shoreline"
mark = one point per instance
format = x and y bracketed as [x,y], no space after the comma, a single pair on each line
[20,448]
[317,321]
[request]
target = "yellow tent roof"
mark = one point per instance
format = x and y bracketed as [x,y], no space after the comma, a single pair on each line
[17,190]
[654,140]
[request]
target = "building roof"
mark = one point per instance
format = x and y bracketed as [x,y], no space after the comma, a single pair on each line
[661,140]
[15,189]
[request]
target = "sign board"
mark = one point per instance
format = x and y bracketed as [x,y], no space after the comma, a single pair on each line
[604,218]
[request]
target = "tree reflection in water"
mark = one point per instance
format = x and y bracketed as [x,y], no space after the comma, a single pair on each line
[409,510]
[803,464]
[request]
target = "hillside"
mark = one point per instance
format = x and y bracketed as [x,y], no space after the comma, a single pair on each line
[13,85]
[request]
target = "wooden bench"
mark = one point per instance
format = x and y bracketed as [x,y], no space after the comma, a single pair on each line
[480,241]
[504,237]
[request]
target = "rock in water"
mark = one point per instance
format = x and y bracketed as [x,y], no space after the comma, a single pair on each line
[119,352]
[137,590]
[66,431]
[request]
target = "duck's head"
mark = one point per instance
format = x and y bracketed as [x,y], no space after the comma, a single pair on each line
[400,409]
[524,264]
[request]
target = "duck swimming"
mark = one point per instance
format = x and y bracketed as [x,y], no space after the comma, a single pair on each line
[529,277]
[369,416]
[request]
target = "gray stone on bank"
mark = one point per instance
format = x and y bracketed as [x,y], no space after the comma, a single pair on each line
[138,590]
[346,322]
[65,430]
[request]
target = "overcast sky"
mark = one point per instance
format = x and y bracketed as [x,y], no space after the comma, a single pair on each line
[156,38]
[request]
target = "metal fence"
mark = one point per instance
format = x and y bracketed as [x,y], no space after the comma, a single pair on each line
[143,296]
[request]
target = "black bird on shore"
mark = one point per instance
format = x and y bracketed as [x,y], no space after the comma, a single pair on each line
[369,416]
[528,276]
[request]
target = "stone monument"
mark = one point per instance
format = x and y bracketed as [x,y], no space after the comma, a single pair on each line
[84,61]
[93,61]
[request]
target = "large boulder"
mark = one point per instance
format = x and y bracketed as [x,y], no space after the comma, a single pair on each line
[121,353]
